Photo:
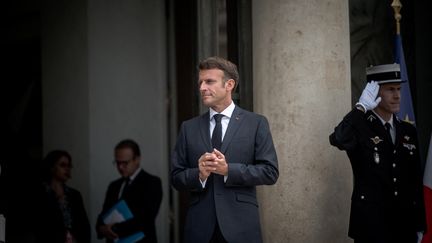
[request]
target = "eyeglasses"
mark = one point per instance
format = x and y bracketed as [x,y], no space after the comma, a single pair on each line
[122,163]
[65,165]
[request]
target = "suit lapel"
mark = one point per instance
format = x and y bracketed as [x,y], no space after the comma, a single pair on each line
[234,124]
[114,193]
[204,129]
[132,183]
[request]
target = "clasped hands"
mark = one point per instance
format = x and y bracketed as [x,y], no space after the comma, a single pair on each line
[213,162]
[107,232]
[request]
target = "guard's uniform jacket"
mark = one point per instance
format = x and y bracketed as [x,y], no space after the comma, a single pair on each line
[387,202]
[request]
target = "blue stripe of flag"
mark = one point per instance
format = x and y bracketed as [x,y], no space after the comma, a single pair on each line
[406,112]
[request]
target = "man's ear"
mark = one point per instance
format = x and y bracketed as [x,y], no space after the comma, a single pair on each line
[230,84]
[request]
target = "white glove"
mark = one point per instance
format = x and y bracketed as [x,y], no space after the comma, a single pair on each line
[368,99]
[419,237]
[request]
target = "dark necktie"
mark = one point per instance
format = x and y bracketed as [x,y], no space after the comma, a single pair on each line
[217,132]
[126,183]
[388,127]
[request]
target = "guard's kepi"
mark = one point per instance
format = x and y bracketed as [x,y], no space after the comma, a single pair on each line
[386,73]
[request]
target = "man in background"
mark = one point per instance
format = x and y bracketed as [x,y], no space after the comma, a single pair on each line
[141,191]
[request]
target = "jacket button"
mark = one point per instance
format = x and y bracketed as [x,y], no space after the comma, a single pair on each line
[395,193]
[394,179]
[362,197]
[394,165]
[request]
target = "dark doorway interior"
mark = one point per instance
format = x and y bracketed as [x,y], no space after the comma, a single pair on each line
[186,87]
[21,120]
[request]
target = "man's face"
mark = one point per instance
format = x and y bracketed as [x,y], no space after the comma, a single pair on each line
[125,161]
[390,98]
[215,93]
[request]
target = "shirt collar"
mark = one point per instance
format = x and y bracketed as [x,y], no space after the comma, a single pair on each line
[227,112]
[132,177]
[383,121]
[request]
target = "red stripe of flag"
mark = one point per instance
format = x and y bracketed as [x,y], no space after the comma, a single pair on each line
[427,238]
[427,191]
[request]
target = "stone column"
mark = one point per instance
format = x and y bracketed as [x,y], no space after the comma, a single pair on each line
[301,63]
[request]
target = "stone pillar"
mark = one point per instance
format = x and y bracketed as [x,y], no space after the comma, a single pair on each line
[301,63]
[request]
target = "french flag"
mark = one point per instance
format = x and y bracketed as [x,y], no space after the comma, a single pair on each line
[427,190]
[406,113]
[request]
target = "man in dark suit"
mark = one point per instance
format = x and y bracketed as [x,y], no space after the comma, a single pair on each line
[387,202]
[141,191]
[219,158]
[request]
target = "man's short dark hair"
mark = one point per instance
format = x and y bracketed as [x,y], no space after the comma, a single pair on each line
[229,68]
[131,144]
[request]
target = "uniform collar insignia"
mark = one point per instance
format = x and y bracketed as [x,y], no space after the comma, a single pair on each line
[376,140]
[407,138]
[371,118]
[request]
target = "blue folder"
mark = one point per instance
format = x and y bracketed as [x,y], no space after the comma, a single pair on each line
[131,238]
[120,212]
[120,209]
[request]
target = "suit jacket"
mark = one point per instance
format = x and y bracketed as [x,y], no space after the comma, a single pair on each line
[143,196]
[387,200]
[251,157]
[50,225]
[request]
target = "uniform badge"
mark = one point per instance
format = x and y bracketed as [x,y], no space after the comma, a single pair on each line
[371,118]
[376,140]
[409,146]
[376,157]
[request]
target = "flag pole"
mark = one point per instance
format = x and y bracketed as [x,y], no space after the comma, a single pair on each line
[397,5]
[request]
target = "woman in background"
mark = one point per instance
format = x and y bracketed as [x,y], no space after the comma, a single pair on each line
[62,215]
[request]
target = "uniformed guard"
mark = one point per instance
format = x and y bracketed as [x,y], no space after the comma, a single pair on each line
[387,202]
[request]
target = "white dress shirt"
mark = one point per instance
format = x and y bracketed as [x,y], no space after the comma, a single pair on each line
[227,113]
[392,128]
